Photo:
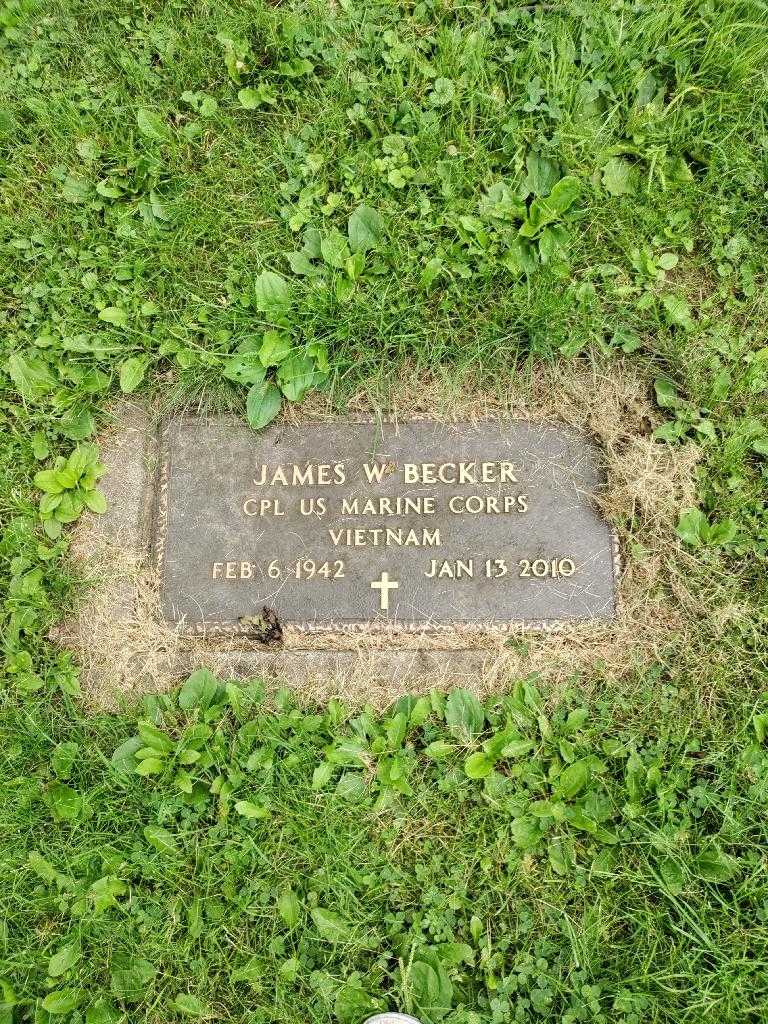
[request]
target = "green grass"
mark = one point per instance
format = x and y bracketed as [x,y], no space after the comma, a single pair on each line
[309,867]
[385,190]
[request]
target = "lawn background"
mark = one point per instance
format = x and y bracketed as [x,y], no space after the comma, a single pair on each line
[226,205]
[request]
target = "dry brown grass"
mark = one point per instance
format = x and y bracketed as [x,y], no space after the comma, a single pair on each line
[125,648]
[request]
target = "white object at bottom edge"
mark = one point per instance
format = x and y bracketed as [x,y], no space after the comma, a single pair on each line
[392,1018]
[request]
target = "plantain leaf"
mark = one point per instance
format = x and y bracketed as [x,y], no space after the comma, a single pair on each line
[263,404]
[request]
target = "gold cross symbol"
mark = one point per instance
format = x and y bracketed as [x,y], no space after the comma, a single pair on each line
[384,585]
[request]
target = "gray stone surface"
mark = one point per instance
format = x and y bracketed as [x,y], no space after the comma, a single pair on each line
[537,552]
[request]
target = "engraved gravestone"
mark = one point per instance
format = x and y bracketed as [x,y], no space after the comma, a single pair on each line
[416,526]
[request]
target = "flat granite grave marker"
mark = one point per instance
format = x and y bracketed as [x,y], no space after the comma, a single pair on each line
[418,526]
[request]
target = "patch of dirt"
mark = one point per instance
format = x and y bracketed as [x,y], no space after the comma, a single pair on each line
[125,648]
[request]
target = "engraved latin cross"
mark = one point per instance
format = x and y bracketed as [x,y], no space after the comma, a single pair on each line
[384,585]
